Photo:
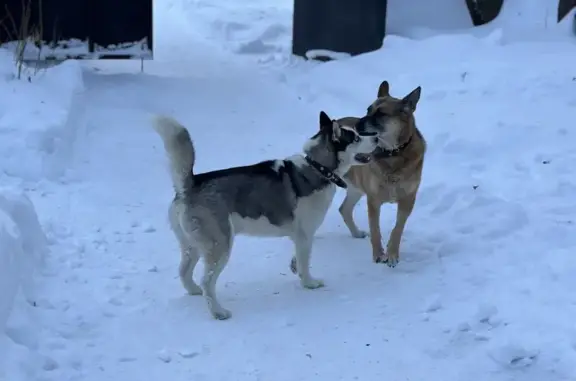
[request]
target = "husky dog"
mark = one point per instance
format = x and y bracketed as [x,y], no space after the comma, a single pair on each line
[274,198]
[394,174]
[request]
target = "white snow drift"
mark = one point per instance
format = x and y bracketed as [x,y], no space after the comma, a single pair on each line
[36,139]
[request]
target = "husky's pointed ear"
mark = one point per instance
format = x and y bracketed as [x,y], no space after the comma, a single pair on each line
[325,121]
[411,100]
[330,126]
[384,89]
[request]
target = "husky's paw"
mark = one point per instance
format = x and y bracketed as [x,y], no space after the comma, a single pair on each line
[359,234]
[193,289]
[293,267]
[312,283]
[221,314]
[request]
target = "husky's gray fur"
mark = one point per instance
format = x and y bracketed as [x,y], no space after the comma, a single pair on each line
[275,198]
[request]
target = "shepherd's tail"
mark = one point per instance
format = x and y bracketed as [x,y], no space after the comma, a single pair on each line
[180,150]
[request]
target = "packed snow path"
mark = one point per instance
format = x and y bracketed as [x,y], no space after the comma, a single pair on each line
[479,293]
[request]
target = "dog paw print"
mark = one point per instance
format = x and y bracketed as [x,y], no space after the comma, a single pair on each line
[514,356]
[487,315]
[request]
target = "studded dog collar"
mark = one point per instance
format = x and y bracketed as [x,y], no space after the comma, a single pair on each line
[328,174]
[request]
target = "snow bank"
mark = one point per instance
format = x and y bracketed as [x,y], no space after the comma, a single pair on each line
[531,20]
[36,132]
[519,20]
[22,247]
[412,19]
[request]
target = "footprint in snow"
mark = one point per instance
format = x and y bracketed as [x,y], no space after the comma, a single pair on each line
[188,354]
[433,304]
[487,314]
[49,364]
[149,229]
[127,359]
[164,356]
[513,356]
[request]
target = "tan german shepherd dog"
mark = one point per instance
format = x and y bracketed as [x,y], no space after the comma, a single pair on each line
[394,174]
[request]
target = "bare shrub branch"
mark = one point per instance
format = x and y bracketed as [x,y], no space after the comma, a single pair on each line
[24,33]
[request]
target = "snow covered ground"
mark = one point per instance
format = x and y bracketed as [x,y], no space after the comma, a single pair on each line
[485,287]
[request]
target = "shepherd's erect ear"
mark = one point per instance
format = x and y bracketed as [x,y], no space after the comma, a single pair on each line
[384,89]
[411,100]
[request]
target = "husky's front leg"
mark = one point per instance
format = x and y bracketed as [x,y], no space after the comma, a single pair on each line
[300,263]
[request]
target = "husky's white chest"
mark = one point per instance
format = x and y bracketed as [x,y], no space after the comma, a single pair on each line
[311,211]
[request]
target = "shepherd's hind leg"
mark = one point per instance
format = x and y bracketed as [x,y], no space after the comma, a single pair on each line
[347,212]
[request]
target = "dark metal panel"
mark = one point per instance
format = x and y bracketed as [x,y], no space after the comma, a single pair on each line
[484,11]
[120,21]
[564,7]
[101,22]
[346,26]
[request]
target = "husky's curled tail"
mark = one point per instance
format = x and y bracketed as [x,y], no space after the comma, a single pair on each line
[180,150]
